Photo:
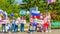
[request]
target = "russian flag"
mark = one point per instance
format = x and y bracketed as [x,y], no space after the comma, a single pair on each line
[50,1]
[36,17]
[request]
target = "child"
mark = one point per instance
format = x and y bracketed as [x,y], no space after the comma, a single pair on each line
[44,25]
[7,25]
[23,22]
[16,26]
[40,25]
[13,25]
[31,24]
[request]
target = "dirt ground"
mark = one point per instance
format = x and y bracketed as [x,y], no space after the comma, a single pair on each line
[53,32]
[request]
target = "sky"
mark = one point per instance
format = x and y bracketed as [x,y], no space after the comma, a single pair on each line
[19,1]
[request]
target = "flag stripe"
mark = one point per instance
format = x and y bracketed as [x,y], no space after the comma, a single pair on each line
[50,1]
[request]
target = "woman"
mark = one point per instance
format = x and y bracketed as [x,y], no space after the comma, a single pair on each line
[22,23]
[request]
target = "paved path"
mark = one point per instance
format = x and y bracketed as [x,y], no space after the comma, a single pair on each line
[53,32]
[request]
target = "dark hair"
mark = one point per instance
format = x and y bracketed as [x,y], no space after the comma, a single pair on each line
[21,17]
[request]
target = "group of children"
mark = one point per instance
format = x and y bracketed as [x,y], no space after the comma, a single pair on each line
[42,24]
[12,25]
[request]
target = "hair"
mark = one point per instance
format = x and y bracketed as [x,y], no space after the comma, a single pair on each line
[22,17]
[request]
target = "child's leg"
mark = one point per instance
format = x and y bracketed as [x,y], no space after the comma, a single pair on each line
[6,28]
[13,27]
[16,28]
[22,28]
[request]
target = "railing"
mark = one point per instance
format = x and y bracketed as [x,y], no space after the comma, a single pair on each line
[55,25]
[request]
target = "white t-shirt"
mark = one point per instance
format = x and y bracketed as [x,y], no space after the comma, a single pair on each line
[48,17]
[41,21]
[41,17]
[24,21]
[16,22]
[35,21]
[8,24]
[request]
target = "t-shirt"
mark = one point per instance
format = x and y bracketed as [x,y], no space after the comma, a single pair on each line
[7,23]
[13,22]
[41,21]
[41,17]
[23,21]
[16,22]
[48,17]
[35,21]
[3,22]
[45,19]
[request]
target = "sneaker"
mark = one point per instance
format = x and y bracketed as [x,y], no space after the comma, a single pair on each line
[46,31]
[31,32]
[49,31]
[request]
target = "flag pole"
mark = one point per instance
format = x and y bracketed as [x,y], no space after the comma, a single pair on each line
[46,7]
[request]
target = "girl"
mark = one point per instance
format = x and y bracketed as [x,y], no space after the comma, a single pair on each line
[22,23]
[48,20]
[44,26]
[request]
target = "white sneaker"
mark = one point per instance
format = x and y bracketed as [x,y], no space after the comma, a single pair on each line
[31,32]
[46,31]
[49,31]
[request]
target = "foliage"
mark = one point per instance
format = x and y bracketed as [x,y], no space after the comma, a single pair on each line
[11,7]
